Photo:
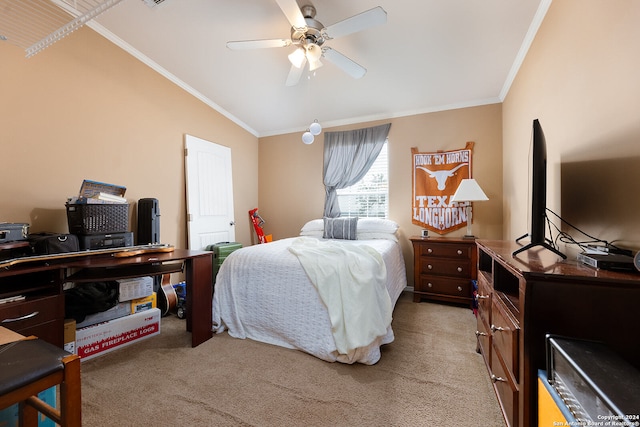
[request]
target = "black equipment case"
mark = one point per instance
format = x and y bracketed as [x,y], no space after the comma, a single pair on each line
[148,221]
[53,243]
[13,231]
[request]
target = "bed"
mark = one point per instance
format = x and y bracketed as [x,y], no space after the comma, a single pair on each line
[264,292]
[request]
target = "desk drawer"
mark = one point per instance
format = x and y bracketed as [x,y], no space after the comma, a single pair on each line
[21,315]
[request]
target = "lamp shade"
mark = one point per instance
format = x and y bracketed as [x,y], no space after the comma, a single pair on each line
[469,191]
[297,57]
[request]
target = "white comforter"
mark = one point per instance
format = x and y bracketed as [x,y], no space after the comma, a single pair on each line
[263,293]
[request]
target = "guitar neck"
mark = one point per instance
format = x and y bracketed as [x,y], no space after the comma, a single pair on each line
[119,252]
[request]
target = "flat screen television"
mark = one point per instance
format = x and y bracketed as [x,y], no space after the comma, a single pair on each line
[538,194]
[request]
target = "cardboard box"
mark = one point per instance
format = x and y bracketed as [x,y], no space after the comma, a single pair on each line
[9,415]
[142,304]
[69,336]
[138,287]
[119,310]
[105,337]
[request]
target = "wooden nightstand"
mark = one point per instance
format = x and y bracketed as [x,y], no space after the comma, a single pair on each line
[443,269]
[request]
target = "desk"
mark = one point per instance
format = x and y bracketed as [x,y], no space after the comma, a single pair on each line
[42,311]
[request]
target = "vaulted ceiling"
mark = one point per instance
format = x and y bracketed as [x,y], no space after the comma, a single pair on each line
[430,55]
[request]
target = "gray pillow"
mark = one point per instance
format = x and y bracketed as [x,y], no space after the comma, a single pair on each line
[340,228]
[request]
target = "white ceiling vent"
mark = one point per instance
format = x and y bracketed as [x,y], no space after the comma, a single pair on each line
[153,3]
[35,24]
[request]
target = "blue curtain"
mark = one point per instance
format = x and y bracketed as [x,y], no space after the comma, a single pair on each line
[348,156]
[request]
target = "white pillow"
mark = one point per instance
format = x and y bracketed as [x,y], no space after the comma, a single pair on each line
[313,225]
[377,225]
[368,228]
[374,236]
[318,234]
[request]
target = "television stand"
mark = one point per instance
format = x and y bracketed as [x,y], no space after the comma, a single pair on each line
[533,245]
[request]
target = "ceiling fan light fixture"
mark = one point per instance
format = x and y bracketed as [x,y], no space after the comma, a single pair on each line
[314,65]
[297,57]
[314,52]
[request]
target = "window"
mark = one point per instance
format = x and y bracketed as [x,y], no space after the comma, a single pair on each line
[369,197]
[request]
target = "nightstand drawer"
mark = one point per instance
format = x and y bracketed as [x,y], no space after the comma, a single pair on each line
[446,267]
[454,287]
[452,250]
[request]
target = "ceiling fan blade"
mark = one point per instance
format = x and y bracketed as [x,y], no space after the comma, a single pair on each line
[257,44]
[359,22]
[295,73]
[292,11]
[350,67]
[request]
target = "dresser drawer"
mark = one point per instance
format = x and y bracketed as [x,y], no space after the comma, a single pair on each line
[505,333]
[444,286]
[484,340]
[484,300]
[506,390]
[19,316]
[448,250]
[446,267]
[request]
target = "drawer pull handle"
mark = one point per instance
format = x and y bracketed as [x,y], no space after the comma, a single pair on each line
[460,288]
[459,269]
[481,334]
[496,379]
[495,328]
[459,252]
[429,250]
[25,317]
[429,285]
[430,267]
[482,296]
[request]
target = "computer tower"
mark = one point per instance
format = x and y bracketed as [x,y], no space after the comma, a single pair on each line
[148,221]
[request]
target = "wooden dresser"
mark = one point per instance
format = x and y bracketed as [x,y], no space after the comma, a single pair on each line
[443,269]
[521,299]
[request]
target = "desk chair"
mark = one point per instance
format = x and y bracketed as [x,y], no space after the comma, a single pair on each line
[32,365]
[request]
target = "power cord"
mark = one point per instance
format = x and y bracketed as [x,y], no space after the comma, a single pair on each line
[595,244]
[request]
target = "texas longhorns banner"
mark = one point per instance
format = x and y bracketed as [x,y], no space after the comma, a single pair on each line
[436,177]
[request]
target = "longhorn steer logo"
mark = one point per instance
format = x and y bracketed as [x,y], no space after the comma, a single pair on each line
[441,175]
[434,185]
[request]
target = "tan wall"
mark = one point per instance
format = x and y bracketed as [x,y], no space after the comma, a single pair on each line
[84,108]
[290,180]
[580,78]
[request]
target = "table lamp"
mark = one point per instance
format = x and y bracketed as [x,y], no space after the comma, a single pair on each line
[469,191]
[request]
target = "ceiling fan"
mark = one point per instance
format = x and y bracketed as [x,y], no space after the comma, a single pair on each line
[308,36]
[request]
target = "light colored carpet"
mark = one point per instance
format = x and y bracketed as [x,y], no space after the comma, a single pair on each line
[430,375]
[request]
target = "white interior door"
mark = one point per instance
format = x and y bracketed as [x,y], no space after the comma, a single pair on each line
[209,193]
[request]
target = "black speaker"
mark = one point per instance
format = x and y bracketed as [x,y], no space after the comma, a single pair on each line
[148,221]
